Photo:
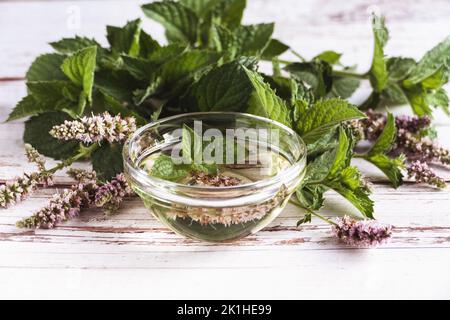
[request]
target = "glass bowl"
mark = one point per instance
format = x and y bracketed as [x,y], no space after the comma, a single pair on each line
[269,169]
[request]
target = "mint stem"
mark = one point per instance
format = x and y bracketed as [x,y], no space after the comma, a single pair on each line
[313,213]
[84,152]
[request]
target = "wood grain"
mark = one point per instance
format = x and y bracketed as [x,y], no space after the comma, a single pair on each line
[132,255]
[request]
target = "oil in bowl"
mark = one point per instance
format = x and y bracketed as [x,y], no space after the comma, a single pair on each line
[215,187]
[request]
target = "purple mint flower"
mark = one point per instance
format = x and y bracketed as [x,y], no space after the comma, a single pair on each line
[422,173]
[81,175]
[95,129]
[61,207]
[110,195]
[18,189]
[361,233]
[412,124]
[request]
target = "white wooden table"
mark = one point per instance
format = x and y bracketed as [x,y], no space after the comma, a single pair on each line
[132,255]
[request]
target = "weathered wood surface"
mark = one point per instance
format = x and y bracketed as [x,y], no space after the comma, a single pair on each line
[132,255]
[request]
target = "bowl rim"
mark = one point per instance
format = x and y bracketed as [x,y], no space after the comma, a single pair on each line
[279,177]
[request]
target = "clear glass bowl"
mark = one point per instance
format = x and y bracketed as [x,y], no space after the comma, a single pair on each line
[223,213]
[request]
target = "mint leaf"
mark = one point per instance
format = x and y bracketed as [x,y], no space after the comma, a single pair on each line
[391,167]
[46,67]
[417,98]
[430,63]
[331,57]
[200,7]
[125,40]
[264,102]
[253,39]
[72,45]
[28,106]
[147,45]
[393,94]
[181,23]
[285,88]
[357,197]
[36,134]
[399,68]
[344,87]
[225,88]
[311,197]
[164,168]
[323,115]
[107,161]
[316,74]
[439,99]
[223,40]
[274,49]
[342,154]
[436,80]
[378,71]
[230,12]
[80,69]
[142,69]
[56,95]
[386,139]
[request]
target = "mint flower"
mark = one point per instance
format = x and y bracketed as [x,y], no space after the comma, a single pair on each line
[62,207]
[361,233]
[18,189]
[422,173]
[110,195]
[95,129]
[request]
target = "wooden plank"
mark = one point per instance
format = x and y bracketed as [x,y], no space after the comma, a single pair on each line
[422,223]
[310,28]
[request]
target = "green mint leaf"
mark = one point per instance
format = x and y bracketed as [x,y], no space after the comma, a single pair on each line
[28,106]
[126,39]
[164,168]
[318,169]
[80,68]
[323,115]
[225,88]
[328,141]
[37,134]
[230,12]
[306,219]
[316,74]
[349,186]
[46,67]
[342,154]
[166,53]
[72,45]
[417,98]
[253,39]
[311,197]
[264,102]
[432,61]
[399,68]
[57,95]
[200,7]
[107,161]
[181,23]
[142,69]
[393,94]
[391,167]
[344,87]
[378,71]
[386,139]
[119,85]
[285,88]
[274,49]
[147,45]
[436,80]
[224,41]
[439,99]
[331,57]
